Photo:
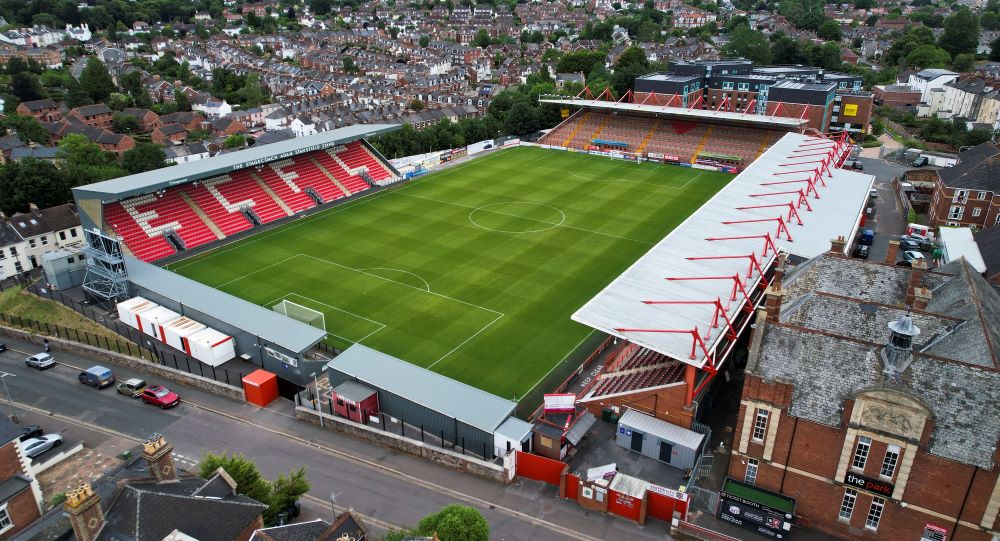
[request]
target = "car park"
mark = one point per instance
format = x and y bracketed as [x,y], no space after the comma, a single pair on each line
[41,361]
[36,446]
[159,395]
[132,387]
[30,431]
[97,376]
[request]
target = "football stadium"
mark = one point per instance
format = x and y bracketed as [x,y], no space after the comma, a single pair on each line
[652,230]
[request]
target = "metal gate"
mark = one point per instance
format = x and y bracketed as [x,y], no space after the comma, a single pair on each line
[703,500]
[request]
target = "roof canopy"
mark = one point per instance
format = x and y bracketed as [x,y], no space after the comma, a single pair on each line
[792,199]
[119,188]
[472,406]
[730,117]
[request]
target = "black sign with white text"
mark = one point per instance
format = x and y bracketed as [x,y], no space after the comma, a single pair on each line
[868,484]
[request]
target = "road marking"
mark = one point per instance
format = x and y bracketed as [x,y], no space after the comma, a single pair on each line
[77,422]
[468,498]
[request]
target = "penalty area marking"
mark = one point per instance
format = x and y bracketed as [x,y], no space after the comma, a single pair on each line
[310,299]
[417,276]
[485,208]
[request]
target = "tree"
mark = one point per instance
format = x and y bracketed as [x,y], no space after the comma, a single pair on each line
[455,523]
[27,128]
[33,181]
[749,44]
[122,123]
[995,50]
[85,162]
[425,41]
[182,100]
[415,105]
[144,157]
[26,87]
[928,56]
[278,494]
[349,65]
[522,119]
[829,30]
[482,38]
[96,80]
[118,101]
[287,490]
[236,140]
[961,33]
[963,62]
[631,64]
[788,50]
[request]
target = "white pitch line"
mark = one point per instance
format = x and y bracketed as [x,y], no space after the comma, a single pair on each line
[417,276]
[456,348]
[402,284]
[530,219]
[348,312]
[237,279]
[568,353]
[381,325]
[694,178]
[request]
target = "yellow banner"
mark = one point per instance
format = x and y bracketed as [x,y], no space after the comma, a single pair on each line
[851,109]
[564,113]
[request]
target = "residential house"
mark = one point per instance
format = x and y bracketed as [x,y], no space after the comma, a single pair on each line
[148,120]
[185,153]
[927,80]
[44,110]
[346,527]
[97,115]
[44,230]
[223,127]
[968,194]
[190,120]
[21,500]
[169,133]
[212,107]
[303,126]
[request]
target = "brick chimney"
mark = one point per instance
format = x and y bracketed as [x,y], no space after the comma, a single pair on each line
[921,298]
[158,453]
[837,245]
[32,207]
[85,514]
[779,271]
[893,253]
[916,280]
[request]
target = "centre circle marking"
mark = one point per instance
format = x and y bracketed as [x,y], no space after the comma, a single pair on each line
[487,208]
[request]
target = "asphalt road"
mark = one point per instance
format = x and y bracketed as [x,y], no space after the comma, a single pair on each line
[387,488]
[889,221]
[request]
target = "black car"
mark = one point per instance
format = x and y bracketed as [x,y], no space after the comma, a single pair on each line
[861,251]
[30,431]
[3,347]
[858,166]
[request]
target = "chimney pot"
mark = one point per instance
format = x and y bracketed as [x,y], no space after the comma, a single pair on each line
[919,267]
[837,245]
[921,298]
[158,454]
[85,514]
[32,207]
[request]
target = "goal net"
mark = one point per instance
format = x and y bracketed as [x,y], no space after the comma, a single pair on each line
[301,313]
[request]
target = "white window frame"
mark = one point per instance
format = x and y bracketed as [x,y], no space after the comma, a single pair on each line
[847,504]
[750,477]
[956,212]
[889,462]
[760,425]
[31,243]
[981,196]
[45,240]
[976,212]
[5,517]
[861,451]
[875,513]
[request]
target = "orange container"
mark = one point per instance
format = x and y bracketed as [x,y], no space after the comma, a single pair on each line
[260,387]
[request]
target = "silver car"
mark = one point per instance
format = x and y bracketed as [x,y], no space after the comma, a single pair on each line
[41,361]
[37,446]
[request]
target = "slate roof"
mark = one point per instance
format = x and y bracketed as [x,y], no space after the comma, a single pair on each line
[977,169]
[93,110]
[12,487]
[8,430]
[148,510]
[988,241]
[833,326]
[38,105]
[303,531]
[58,218]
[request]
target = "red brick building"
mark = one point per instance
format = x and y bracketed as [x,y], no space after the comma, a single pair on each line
[966,194]
[896,95]
[880,421]
[97,115]
[44,110]
[20,495]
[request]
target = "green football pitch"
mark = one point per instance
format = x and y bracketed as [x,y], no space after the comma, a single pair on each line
[472,271]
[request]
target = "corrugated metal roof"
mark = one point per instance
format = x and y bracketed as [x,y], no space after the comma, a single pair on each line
[514,429]
[271,326]
[468,404]
[661,429]
[581,427]
[631,486]
[353,390]
[118,188]
[731,226]
[683,112]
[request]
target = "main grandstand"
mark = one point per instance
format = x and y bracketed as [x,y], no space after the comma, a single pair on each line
[479,272]
[161,213]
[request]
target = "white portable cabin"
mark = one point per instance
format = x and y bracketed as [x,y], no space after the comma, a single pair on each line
[212,347]
[178,331]
[129,311]
[153,321]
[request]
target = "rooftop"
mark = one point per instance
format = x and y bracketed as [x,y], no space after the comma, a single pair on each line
[683,112]
[829,313]
[734,222]
[468,404]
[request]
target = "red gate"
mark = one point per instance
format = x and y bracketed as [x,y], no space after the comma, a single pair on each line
[572,487]
[662,502]
[539,468]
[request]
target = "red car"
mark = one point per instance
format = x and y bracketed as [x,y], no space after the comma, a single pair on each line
[159,395]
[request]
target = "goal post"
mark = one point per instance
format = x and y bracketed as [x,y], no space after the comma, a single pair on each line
[301,313]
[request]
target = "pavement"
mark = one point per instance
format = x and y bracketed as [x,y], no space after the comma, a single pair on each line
[388,489]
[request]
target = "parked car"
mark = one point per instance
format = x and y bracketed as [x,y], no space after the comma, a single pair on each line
[41,361]
[872,193]
[132,387]
[159,395]
[867,237]
[910,245]
[857,165]
[920,162]
[911,256]
[3,347]
[861,251]
[30,431]
[97,376]
[37,446]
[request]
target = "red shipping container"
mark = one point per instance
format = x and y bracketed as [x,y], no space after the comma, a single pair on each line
[260,387]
